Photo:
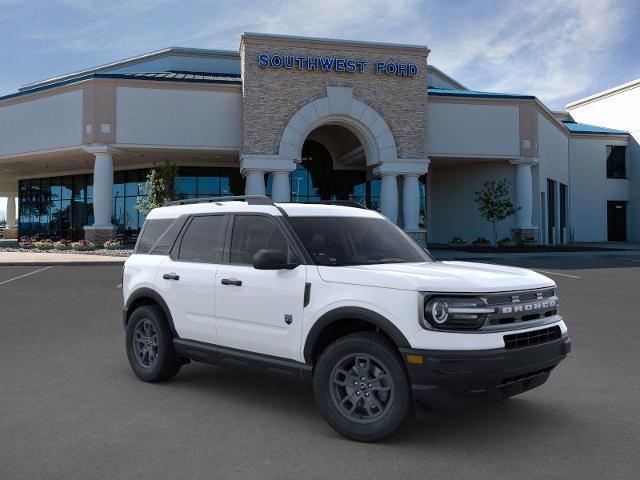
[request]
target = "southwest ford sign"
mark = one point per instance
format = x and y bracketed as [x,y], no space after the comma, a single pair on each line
[334,64]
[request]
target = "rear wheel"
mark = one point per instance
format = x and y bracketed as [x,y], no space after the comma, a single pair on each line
[150,345]
[361,387]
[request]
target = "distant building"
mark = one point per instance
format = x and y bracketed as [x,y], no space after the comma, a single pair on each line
[305,119]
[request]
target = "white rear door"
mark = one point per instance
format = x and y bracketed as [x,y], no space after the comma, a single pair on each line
[187,279]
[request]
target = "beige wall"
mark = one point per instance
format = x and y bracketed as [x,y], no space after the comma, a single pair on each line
[272,96]
[172,117]
[45,123]
[473,129]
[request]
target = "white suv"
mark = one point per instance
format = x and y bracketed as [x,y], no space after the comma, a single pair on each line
[338,296]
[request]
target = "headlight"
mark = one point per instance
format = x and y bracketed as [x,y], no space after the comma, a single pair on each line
[455,313]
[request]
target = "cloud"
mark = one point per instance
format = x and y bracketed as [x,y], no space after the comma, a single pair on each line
[557,50]
[547,48]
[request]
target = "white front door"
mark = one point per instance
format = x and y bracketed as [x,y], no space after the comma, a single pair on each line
[259,310]
[187,280]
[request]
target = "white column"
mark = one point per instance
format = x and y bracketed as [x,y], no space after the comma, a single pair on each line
[103,189]
[524,193]
[389,196]
[411,202]
[255,183]
[280,189]
[11,212]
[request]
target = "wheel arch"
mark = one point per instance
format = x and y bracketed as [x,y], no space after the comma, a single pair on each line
[331,320]
[148,296]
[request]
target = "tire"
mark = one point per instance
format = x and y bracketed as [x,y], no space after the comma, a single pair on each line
[150,345]
[369,410]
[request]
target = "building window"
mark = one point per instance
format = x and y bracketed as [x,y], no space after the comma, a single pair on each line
[616,161]
[59,207]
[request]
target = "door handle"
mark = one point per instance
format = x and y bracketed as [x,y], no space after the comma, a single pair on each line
[231,281]
[171,276]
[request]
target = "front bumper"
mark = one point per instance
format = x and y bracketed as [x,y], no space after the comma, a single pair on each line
[448,380]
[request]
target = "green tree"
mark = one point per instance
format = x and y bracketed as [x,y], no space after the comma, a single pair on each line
[160,187]
[494,203]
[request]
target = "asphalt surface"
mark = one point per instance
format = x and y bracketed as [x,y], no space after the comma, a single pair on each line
[70,408]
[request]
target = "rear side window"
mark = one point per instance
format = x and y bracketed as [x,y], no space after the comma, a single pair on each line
[203,241]
[151,232]
[252,233]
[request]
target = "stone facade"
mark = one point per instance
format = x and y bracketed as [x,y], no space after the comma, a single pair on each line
[9,233]
[272,96]
[98,236]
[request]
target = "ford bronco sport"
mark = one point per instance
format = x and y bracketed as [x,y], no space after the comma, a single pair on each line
[338,296]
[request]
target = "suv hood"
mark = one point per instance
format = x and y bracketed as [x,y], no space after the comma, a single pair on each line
[460,277]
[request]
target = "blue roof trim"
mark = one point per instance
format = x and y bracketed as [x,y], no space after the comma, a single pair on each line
[444,92]
[225,80]
[585,128]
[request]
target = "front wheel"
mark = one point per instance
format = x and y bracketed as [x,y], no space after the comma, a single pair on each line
[361,387]
[150,345]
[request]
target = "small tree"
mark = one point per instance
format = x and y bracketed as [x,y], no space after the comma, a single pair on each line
[160,187]
[494,203]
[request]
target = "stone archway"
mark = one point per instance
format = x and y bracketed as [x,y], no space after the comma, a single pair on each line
[339,107]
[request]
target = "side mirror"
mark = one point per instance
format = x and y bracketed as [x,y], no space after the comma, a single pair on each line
[272,260]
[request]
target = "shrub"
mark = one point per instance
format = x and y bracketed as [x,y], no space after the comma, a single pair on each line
[507,242]
[457,241]
[26,242]
[62,244]
[481,241]
[83,245]
[46,244]
[113,244]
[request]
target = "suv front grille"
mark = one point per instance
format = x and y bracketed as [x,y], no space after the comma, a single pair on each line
[516,307]
[534,337]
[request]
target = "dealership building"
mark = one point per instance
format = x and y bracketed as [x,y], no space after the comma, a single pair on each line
[305,120]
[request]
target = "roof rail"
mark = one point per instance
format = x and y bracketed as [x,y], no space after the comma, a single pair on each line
[250,199]
[344,203]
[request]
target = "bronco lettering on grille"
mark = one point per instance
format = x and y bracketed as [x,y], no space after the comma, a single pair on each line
[528,307]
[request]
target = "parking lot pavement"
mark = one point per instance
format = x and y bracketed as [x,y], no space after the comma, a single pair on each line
[71,408]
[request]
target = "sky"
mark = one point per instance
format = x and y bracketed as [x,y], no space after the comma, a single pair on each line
[557,50]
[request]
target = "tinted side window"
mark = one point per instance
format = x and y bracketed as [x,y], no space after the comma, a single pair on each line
[151,233]
[204,240]
[252,233]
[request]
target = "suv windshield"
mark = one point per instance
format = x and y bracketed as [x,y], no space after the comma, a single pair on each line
[339,241]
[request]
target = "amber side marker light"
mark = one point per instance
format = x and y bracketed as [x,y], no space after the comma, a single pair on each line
[415,359]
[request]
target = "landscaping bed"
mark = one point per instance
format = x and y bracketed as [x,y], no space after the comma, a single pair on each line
[124,252]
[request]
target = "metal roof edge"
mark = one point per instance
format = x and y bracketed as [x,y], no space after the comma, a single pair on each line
[123,76]
[476,94]
[131,61]
[605,93]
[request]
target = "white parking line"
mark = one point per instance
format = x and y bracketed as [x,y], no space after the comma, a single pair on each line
[556,273]
[25,275]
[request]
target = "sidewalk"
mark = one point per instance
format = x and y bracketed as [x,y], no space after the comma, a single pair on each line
[37,259]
